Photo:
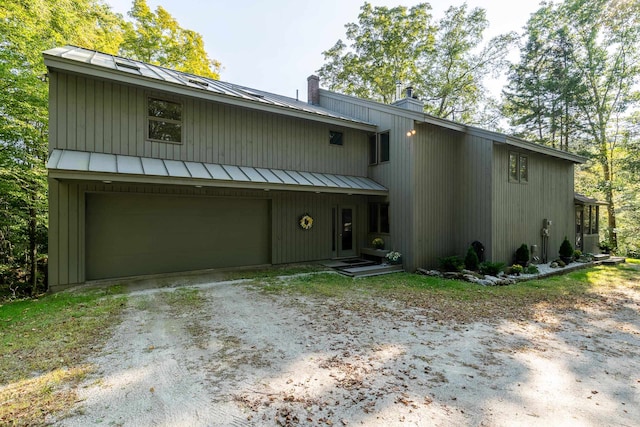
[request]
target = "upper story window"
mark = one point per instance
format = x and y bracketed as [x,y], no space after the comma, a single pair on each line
[165,120]
[518,168]
[335,138]
[379,148]
[384,147]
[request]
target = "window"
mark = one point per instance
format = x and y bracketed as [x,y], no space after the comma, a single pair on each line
[518,168]
[384,147]
[524,169]
[373,149]
[379,218]
[379,148]
[335,138]
[165,120]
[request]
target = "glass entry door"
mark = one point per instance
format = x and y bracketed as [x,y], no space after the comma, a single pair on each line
[344,238]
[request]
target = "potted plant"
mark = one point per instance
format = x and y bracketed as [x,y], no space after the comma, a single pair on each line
[394,257]
[378,243]
[566,251]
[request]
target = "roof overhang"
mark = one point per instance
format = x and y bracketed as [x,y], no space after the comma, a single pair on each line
[580,199]
[82,165]
[541,149]
[54,59]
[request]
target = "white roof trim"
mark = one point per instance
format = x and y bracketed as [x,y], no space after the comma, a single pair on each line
[72,164]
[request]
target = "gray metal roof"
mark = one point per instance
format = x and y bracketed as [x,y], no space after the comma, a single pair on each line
[581,199]
[130,68]
[115,167]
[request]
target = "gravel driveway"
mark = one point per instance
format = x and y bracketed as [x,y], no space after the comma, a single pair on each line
[239,356]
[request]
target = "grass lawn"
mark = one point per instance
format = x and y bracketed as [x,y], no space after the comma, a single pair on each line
[44,344]
[462,301]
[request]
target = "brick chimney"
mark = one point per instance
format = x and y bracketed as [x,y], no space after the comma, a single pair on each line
[313,90]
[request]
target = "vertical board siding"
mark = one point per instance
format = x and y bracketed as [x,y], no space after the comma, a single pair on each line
[519,209]
[289,243]
[473,176]
[435,194]
[102,116]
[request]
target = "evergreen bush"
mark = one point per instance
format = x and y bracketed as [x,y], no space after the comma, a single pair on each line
[452,263]
[471,261]
[566,250]
[522,255]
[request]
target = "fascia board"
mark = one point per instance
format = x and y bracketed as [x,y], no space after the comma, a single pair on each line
[145,179]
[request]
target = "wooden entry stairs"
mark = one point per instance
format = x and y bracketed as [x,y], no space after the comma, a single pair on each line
[358,267]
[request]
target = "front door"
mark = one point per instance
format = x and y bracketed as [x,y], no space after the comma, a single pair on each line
[344,237]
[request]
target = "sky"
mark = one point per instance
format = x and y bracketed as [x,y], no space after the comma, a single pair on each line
[275,45]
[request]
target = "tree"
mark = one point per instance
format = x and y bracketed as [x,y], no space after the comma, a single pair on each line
[385,47]
[27,28]
[452,74]
[157,38]
[543,86]
[579,78]
[444,62]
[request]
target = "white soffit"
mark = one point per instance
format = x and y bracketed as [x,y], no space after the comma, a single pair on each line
[70,161]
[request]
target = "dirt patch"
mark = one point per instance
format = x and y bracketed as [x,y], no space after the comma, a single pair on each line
[237,356]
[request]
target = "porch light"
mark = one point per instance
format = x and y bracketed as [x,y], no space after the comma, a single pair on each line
[411,132]
[107,182]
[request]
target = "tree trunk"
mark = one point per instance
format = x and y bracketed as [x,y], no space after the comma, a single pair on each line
[33,253]
[608,180]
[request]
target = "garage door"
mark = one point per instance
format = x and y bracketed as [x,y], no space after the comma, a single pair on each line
[134,234]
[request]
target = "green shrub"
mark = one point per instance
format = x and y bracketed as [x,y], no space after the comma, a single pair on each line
[451,263]
[516,269]
[605,246]
[566,250]
[531,269]
[471,261]
[522,255]
[633,253]
[560,263]
[491,268]
[577,254]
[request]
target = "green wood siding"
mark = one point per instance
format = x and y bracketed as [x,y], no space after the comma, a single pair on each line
[102,116]
[473,195]
[435,194]
[519,209]
[289,243]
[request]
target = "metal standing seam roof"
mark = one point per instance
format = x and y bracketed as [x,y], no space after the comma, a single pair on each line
[116,166]
[166,75]
[584,200]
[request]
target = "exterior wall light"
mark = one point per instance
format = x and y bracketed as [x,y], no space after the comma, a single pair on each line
[411,132]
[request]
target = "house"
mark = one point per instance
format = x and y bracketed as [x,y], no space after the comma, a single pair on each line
[152,170]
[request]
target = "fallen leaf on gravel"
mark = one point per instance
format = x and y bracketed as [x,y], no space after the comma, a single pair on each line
[152,389]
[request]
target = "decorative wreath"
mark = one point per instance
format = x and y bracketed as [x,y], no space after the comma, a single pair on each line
[306,222]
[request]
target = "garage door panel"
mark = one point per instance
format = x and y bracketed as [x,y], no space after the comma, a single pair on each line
[133,234]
